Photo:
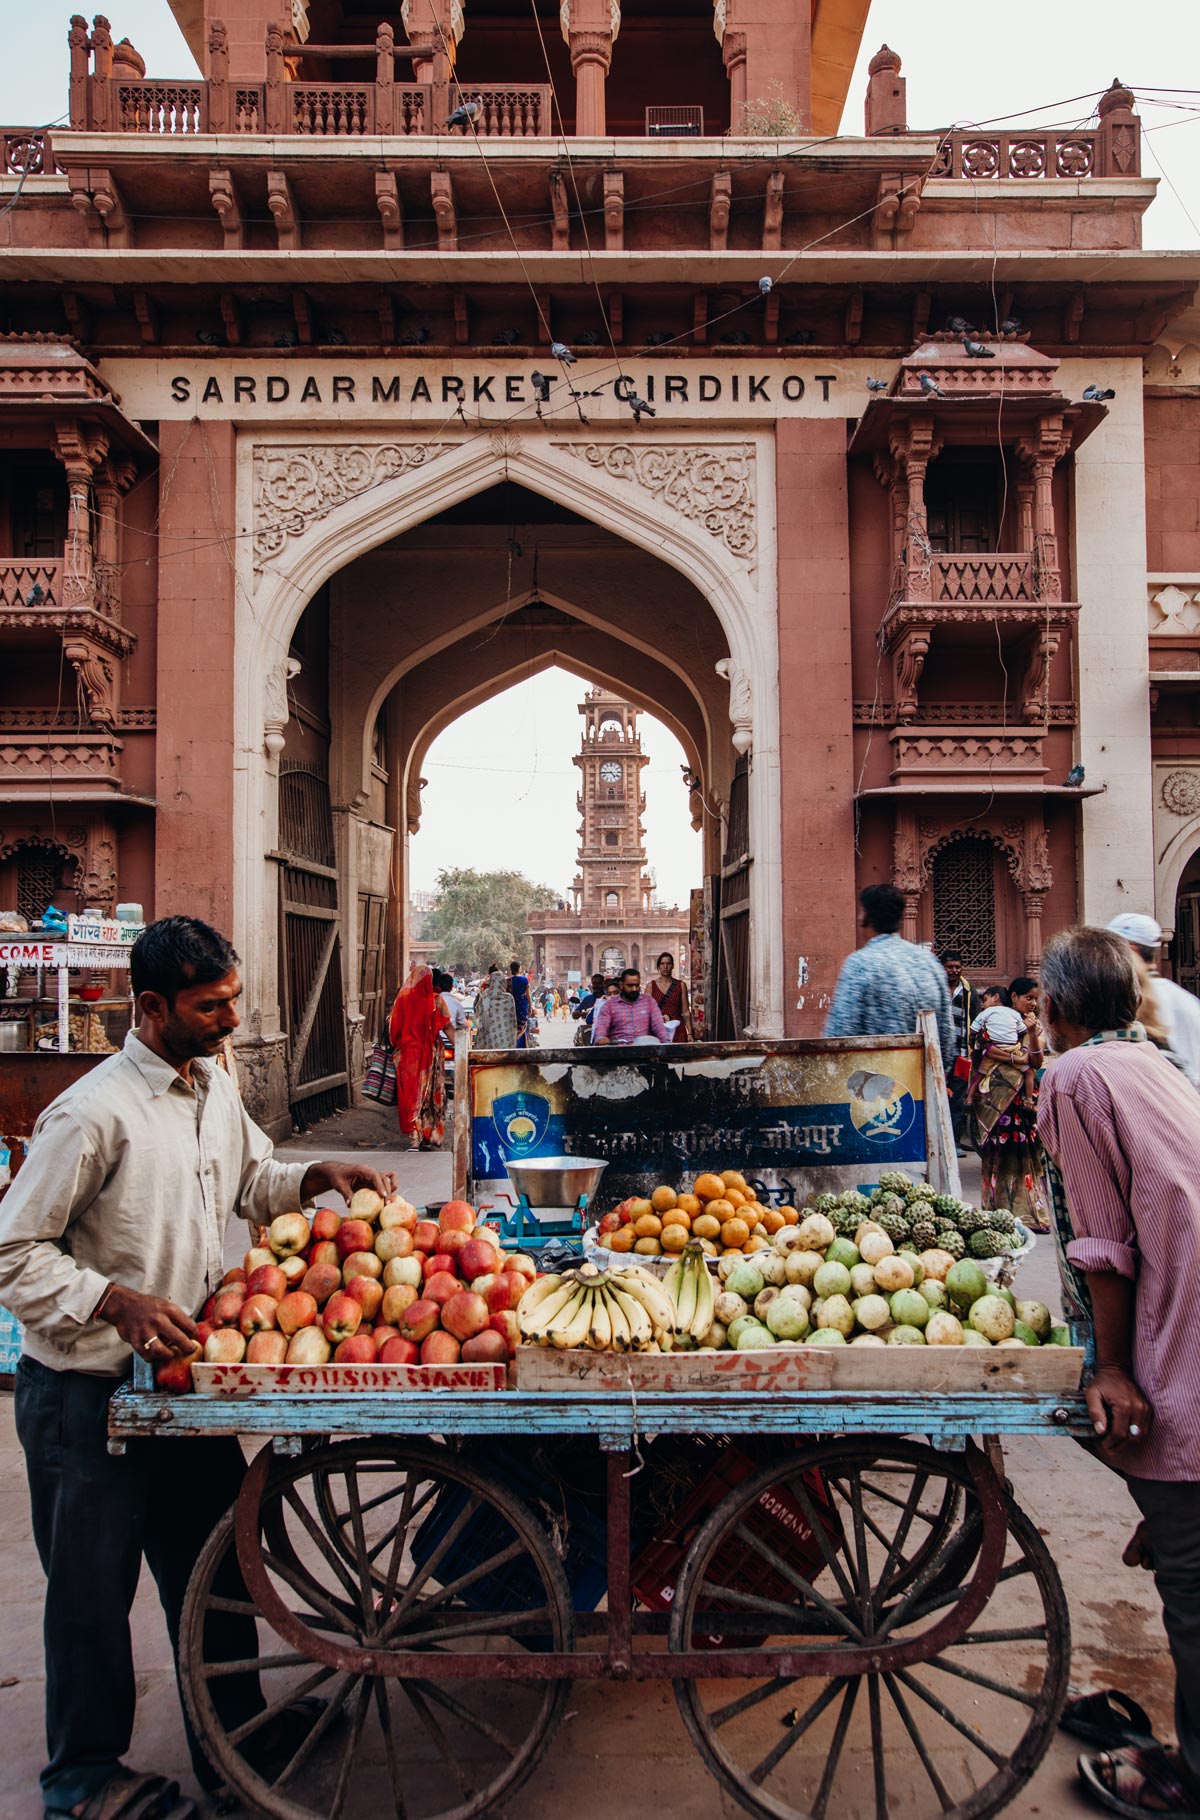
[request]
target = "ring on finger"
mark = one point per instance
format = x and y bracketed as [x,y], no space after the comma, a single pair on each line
[152,1341]
[1134,1429]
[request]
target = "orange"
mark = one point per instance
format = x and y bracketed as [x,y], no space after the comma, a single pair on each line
[648,1248]
[690,1204]
[721,1209]
[733,1178]
[735,1233]
[752,1213]
[708,1187]
[790,1216]
[735,1197]
[706,1226]
[756,1243]
[674,1238]
[621,1239]
[773,1221]
[709,1249]
[662,1200]
[648,1227]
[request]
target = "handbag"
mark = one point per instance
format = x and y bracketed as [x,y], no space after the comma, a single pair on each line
[380,1082]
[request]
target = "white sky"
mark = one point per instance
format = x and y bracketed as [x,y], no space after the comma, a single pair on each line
[501,785]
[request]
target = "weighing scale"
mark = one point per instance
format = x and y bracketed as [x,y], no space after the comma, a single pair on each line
[553,1197]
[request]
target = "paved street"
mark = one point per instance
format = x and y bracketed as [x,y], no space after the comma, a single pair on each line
[635,1736]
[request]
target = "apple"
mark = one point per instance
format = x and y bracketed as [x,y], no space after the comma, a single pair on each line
[403,1270]
[208,1312]
[394,1242]
[225,1347]
[440,1349]
[258,1314]
[425,1236]
[361,1264]
[341,1317]
[368,1293]
[609,1223]
[396,1214]
[521,1261]
[203,1329]
[288,1233]
[366,1204]
[504,1291]
[256,1257]
[176,1374]
[397,1301]
[268,1279]
[236,1275]
[452,1242]
[481,1285]
[419,1320]
[509,1329]
[293,1269]
[440,1286]
[227,1305]
[440,1262]
[266,1348]
[399,1351]
[457,1216]
[320,1281]
[465,1314]
[478,1258]
[298,1309]
[486,1348]
[359,1349]
[353,1235]
[325,1223]
[384,1331]
[308,1347]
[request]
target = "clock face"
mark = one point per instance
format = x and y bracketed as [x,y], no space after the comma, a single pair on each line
[610,772]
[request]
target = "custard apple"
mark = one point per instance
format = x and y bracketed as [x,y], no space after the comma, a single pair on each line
[988,1244]
[924,1234]
[846,1220]
[948,1206]
[1001,1220]
[951,1239]
[970,1219]
[894,1181]
[896,1225]
[823,1203]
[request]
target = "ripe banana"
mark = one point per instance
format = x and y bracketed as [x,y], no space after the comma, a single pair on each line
[600,1333]
[548,1312]
[573,1329]
[536,1294]
[706,1299]
[653,1297]
[622,1335]
[638,1322]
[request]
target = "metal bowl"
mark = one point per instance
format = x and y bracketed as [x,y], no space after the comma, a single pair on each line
[556,1181]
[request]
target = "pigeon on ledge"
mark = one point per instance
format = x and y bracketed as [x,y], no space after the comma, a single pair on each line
[506,338]
[414,337]
[638,406]
[36,595]
[1011,325]
[541,386]
[1096,394]
[929,385]
[877,385]
[466,112]
[1074,777]
[766,285]
[561,351]
[958,325]
[977,350]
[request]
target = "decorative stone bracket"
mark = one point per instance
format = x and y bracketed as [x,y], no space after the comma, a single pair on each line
[278,710]
[741,703]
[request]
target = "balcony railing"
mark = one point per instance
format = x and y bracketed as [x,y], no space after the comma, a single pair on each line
[920,754]
[982,579]
[59,758]
[321,110]
[31,586]
[978,156]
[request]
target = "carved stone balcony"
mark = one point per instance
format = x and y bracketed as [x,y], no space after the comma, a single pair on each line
[951,755]
[34,762]
[982,580]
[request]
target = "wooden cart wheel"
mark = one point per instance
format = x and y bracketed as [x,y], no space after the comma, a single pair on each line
[444,1558]
[931,1676]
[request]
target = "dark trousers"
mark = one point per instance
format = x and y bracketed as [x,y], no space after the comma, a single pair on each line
[1171,1509]
[956,1089]
[94,1516]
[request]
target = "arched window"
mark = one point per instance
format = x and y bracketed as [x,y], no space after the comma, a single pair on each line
[39,868]
[612,897]
[964,901]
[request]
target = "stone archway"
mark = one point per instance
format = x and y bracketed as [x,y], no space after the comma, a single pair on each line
[315,509]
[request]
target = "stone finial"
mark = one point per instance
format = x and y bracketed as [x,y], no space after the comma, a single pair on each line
[885,58]
[887,103]
[128,64]
[1114,97]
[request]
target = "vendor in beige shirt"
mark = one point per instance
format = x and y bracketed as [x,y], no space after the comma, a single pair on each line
[111,1237]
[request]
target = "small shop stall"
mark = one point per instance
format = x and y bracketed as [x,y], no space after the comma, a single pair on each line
[813,1542]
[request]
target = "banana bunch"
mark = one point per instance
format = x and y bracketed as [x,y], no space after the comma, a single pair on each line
[693,1292]
[604,1310]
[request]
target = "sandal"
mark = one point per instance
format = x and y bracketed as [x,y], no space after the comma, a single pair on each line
[1108,1720]
[1137,1781]
[128,1795]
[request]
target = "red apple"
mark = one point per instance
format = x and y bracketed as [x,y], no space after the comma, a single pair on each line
[320,1281]
[293,1269]
[418,1321]
[440,1262]
[256,1257]
[176,1374]
[203,1329]
[385,1332]
[440,1349]
[308,1347]
[610,1222]
[399,1352]
[268,1279]
[208,1312]
[478,1258]
[227,1305]
[486,1348]
[452,1242]
[236,1275]
[325,1223]
[366,1204]
[404,1270]
[354,1235]
[258,1314]
[266,1348]
[481,1285]
[505,1291]
[361,1264]
[359,1349]
[440,1287]
[425,1235]
[394,1242]
[397,1301]
[368,1293]
[224,1347]
[326,1252]
[457,1216]
[341,1317]
[465,1314]
[298,1309]
[288,1233]
[518,1260]
[509,1329]
[397,1214]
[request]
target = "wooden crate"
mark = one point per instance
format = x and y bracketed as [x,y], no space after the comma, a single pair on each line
[322,1380]
[933,1370]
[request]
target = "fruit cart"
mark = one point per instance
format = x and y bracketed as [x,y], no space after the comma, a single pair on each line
[816,1549]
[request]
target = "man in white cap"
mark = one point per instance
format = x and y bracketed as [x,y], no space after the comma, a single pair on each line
[1178,1008]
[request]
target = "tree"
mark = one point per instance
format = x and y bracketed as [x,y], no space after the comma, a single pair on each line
[479,918]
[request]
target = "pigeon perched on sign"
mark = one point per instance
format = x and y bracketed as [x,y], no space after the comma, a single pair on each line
[877,385]
[1011,325]
[639,407]
[958,325]
[208,338]
[1096,394]
[286,340]
[506,338]
[541,386]
[929,385]
[977,349]
[766,285]
[466,112]
[414,337]
[562,352]
[1074,777]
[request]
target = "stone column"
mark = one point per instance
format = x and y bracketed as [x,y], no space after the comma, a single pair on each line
[733,55]
[80,456]
[921,448]
[1041,455]
[80,47]
[113,478]
[906,869]
[591,55]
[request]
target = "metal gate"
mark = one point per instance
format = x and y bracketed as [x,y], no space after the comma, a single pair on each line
[310,947]
[733,946]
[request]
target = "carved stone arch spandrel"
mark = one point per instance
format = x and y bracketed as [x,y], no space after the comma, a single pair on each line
[931,845]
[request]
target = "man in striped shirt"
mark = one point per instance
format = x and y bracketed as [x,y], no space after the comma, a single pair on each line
[1121,1127]
[629,1018]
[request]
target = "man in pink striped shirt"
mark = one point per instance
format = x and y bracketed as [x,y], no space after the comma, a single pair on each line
[629,1018]
[1121,1127]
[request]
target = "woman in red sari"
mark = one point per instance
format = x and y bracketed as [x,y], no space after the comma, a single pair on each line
[671,997]
[415,1027]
